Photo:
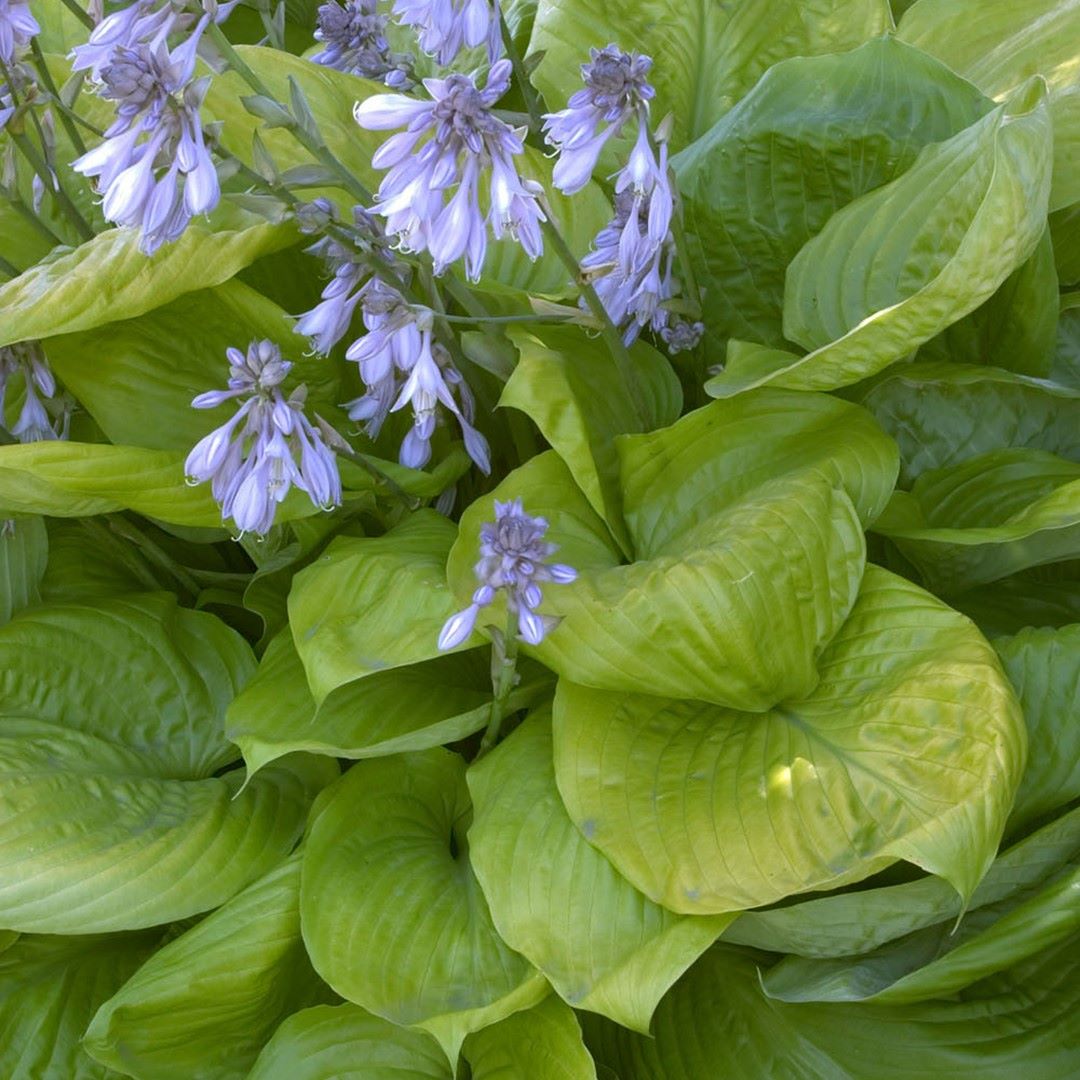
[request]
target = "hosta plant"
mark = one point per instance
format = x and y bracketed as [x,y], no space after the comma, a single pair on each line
[539,539]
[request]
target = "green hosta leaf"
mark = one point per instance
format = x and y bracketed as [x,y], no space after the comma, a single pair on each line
[718,1022]
[137,668]
[366,605]
[987,517]
[938,961]
[82,567]
[997,45]
[392,915]
[208,1001]
[944,414]
[790,556]
[1016,328]
[137,377]
[859,921]
[1009,605]
[1065,234]
[724,519]
[409,708]
[705,56]
[572,388]
[110,812]
[108,278]
[332,95]
[1066,367]
[50,987]
[1044,668]
[910,747]
[559,902]
[897,266]
[543,1043]
[674,480]
[768,176]
[24,552]
[331,1042]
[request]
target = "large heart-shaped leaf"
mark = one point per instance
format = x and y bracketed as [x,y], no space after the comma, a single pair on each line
[718,1022]
[942,414]
[743,515]
[909,748]
[24,551]
[111,813]
[705,56]
[366,605]
[895,267]
[987,517]
[572,388]
[392,915]
[768,176]
[208,1001]
[858,921]
[50,987]
[559,902]
[1012,604]
[1000,43]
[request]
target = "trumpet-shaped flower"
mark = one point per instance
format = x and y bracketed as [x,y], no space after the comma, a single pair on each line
[17,27]
[616,90]
[445,27]
[154,170]
[34,422]
[266,447]
[354,40]
[401,365]
[431,198]
[513,560]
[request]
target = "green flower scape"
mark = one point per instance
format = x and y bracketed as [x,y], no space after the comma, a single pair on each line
[780,779]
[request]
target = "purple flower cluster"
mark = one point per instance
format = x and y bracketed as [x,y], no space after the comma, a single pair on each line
[513,559]
[462,140]
[251,460]
[633,256]
[153,169]
[34,424]
[616,90]
[354,39]
[400,364]
[445,27]
[17,27]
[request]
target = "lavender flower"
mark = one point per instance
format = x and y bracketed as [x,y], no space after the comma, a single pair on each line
[401,365]
[355,40]
[17,27]
[34,423]
[153,169]
[463,141]
[616,89]
[445,27]
[513,558]
[251,460]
